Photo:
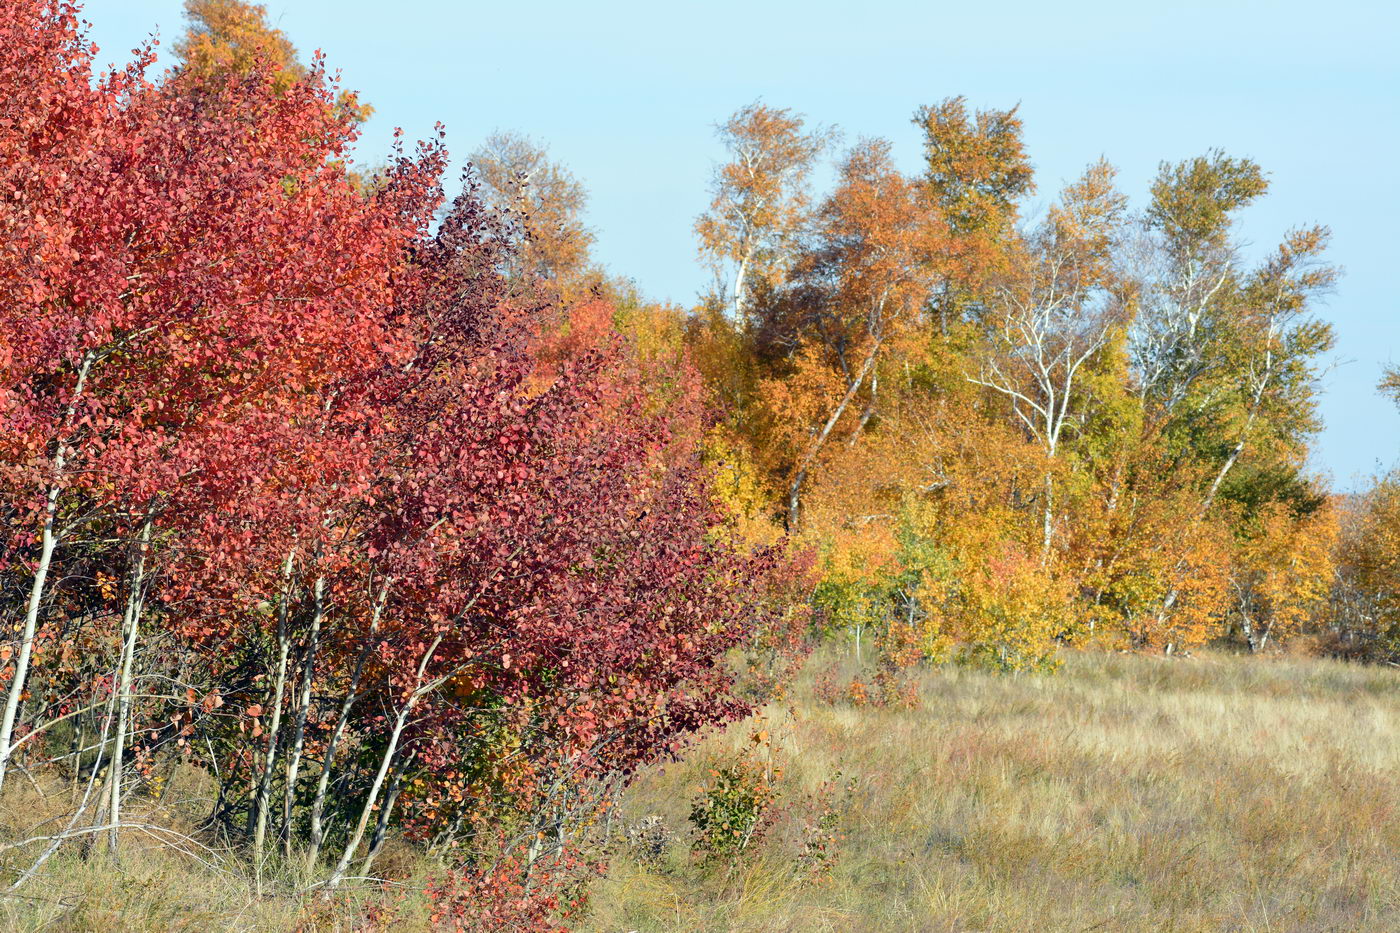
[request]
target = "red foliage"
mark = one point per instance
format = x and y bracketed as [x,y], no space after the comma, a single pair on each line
[510,896]
[483,540]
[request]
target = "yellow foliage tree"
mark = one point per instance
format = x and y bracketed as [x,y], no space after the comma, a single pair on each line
[1140,541]
[1284,572]
[759,203]
[1366,602]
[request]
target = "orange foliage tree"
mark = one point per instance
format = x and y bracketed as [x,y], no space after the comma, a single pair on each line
[857,291]
[234,37]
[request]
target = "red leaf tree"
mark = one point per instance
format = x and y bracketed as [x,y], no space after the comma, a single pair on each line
[398,530]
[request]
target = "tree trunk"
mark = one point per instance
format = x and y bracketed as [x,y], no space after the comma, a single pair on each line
[303,708]
[1048,521]
[49,536]
[869,411]
[381,825]
[264,792]
[131,625]
[318,805]
[1247,629]
[739,276]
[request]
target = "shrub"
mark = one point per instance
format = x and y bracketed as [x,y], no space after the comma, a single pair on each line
[821,835]
[734,810]
[513,894]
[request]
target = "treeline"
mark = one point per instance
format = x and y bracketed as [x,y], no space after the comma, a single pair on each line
[1006,433]
[1003,433]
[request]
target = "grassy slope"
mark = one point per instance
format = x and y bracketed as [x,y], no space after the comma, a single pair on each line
[1125,793]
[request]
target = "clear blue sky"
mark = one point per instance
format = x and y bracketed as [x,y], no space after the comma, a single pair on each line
[626,94]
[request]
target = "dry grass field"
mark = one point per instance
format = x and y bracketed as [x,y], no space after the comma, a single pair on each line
[1123,793]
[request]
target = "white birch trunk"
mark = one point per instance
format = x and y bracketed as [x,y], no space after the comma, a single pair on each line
[264,792]
[400,721]
[302,710]
[131,625]
[49,537]
[318,805]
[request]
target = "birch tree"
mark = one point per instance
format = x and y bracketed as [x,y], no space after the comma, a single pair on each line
[859,284]
[976,173]
[1054,315]
[1190,278]
[759,201]
[542,202]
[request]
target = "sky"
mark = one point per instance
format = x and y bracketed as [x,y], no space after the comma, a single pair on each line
[626,95]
